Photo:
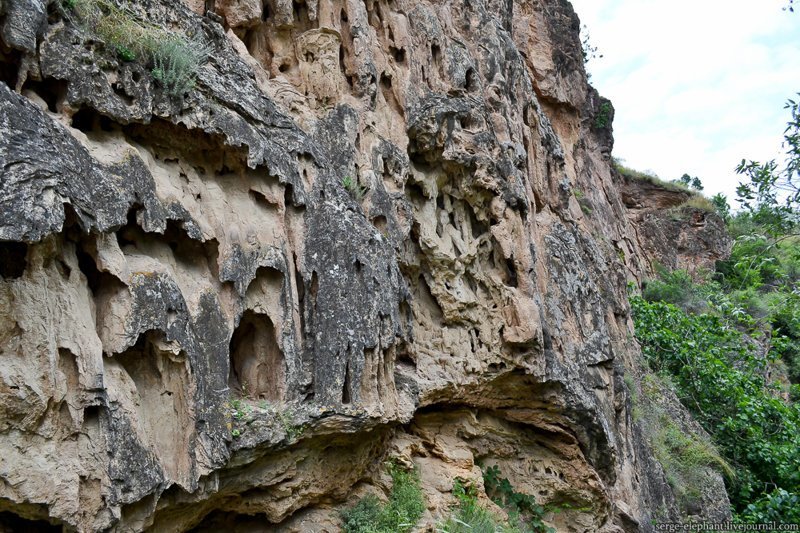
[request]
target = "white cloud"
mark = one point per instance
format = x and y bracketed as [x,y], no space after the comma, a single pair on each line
[697,85]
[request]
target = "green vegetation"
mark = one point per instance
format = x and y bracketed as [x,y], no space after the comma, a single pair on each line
[646,176]
[524,515]
[720,377]
[683,455]
[173,58]
[698,201]
[241,410]
[603,117]
[690,182]
[722,340]
[355,190]
[471,517]
[400,514]
[244,412]
[522,508]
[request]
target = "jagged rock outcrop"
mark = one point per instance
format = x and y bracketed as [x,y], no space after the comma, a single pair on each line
[671,232]
[372,228]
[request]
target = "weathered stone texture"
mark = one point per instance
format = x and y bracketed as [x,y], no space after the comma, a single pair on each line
[372,228]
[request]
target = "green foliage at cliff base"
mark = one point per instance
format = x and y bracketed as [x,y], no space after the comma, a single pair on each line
[721,378]
[400,514]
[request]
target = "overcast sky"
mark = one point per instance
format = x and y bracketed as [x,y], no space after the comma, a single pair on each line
[697,84]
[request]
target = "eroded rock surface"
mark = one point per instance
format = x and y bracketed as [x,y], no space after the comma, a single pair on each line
[372,228]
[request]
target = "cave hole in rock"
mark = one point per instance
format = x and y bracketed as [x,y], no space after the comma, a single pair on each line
[13,259]
[288,195]
[127,234]
[301,13]
[343,68]
[9,66]
[91,416]
[265,13]
[314,288]
[436,53]
[511,273]
[386,81]
[119,90]
[88,121]
[301,293]
[169,141]
[415,193]
[404,357]
[469,122]
[478,227]
[14,523]
[399,54]
[96,279]
[471,80]
[52,92]
[380,223]
[257,363]
[346,386]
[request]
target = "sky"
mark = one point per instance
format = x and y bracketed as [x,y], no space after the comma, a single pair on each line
[697,85]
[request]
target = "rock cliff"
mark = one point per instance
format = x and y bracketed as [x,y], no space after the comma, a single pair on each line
[370,229]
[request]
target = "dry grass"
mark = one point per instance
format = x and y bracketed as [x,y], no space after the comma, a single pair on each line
[173,58]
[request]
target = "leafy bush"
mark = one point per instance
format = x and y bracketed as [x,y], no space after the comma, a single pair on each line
[603,117]
[401,513]
[471,517]
[522,508]
[719,376]
[778,506]
[677,288]
[173,58]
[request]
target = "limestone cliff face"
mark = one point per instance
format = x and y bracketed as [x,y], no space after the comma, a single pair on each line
[372,229]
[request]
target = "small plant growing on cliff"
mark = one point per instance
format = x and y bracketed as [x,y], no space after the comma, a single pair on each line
[400,514]
[603,118]
[470,515]
[352,186]
[173,58]
[175,63]
[240,409]
[522,508]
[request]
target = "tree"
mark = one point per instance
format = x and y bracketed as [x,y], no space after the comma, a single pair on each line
[692,182]
[772,196]
[720,203]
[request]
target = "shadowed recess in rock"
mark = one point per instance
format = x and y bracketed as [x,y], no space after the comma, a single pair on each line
[13,259]
[258,367]
[160,373]
[12,523]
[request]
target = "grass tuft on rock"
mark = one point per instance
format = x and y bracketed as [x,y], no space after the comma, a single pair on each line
[398,515]
[173,58]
